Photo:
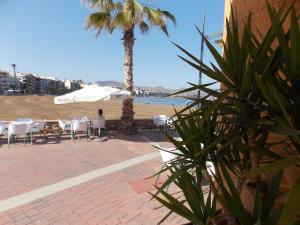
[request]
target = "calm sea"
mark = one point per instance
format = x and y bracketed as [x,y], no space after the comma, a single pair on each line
[160,101]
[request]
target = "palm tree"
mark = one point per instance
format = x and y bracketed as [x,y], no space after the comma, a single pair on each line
[127,15]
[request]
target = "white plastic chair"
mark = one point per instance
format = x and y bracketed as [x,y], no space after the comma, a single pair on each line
[167,156]
[3,128]
[65,125]
[161,120]
[25,120]
[38,127]
[210,169]
[81,118]
[16,129]
[99,124]
[80,126]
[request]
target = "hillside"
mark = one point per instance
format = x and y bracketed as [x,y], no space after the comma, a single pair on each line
[158,89]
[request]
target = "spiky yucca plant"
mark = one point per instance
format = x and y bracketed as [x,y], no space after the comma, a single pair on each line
[260,98]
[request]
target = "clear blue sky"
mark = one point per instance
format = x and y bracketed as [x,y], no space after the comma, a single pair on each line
[48,38]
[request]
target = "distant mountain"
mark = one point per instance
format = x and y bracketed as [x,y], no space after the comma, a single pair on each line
[120,84]
[157,89]
[110,83]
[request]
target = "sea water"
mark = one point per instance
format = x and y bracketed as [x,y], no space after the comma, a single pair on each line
[161,101]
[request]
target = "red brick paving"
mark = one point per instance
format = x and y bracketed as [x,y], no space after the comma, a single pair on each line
[40,165]
[142,185]
[117,198]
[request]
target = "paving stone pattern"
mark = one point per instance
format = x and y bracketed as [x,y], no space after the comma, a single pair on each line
[116,198]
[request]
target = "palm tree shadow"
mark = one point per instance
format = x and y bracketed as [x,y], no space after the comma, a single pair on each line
[145,136]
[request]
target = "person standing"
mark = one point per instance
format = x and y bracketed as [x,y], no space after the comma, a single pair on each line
[99,123]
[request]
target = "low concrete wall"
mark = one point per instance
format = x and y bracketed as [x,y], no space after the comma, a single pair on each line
[52,126]
[141,124]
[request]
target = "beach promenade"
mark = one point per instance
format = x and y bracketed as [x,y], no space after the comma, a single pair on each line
[81,183]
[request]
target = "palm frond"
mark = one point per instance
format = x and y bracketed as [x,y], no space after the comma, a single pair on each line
[164,28]
[100,4]
[153,15]
[170,16]
[98,21]
[119,20]
[143,26]
[125,15]
[138,8]
[129,9]
[156,17]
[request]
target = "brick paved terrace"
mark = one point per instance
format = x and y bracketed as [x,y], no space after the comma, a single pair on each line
[83,183]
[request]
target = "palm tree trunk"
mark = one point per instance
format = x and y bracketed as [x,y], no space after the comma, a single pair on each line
[127,123]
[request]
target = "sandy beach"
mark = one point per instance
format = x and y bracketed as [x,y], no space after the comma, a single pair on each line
[43,107]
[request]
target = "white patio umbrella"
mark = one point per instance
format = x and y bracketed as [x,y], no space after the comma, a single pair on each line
[91,93]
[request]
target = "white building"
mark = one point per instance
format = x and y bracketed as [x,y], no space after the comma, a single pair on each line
[68,84]
[4,81]
[27,83]
[72,85]
[7,82]
[52,85]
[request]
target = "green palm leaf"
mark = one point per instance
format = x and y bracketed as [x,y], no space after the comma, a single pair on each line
[291,208]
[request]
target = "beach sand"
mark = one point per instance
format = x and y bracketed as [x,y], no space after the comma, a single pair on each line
[43,107]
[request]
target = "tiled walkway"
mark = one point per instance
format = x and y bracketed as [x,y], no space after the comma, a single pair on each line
[115,195]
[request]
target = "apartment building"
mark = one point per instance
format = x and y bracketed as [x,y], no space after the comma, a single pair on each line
[34,84]
[27,83]
[4,85]
[72,85]
[7,82]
